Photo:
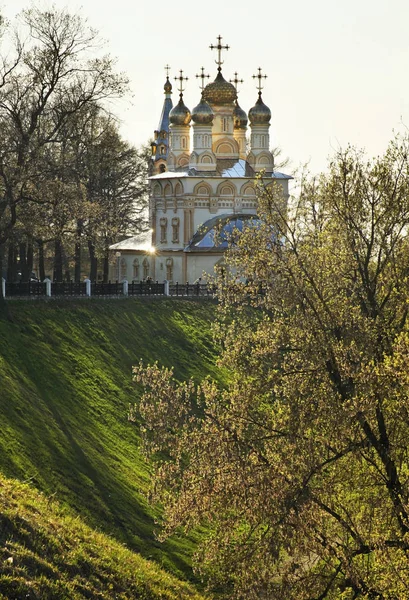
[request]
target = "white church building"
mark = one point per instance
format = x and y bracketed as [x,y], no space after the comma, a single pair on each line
[202,182]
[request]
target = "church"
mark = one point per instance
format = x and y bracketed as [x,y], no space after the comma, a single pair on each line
[201,185]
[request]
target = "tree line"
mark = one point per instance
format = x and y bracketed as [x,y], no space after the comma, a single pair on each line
[70,185]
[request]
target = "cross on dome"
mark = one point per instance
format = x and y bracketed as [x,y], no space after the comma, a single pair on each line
[167,69]
[202,76]
[236,80]
[181,79]
[260,77]
[219,49]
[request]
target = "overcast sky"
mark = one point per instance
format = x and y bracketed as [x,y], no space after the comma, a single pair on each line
[337,71]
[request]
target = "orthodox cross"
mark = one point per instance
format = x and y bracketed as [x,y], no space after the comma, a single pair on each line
[236,80]
[202,76]
[167,69]
[181,79]
[260,77]
[219,49]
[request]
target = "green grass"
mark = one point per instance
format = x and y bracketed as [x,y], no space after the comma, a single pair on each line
[65,387]
[47,554]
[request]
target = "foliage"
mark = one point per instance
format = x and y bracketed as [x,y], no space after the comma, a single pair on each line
[65,370]
[46,553]
[300,467]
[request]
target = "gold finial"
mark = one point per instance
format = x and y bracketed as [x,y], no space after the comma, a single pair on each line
[219,49]
[202,76]
[181,79]
[260,77]
[167,69]
[236,80]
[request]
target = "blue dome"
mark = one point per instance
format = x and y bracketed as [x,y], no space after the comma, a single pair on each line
[216,233]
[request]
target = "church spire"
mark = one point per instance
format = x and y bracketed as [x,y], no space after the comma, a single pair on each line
[160,144]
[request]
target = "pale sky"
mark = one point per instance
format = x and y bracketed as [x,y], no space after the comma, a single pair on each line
[337,70]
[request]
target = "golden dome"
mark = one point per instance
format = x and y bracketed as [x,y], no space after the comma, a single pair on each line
[220,91]
[202,114]
[260,114]
[168,86]
[180,114]
[239,117]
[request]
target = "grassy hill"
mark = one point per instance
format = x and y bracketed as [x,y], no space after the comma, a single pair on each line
[65,374]
[47,554]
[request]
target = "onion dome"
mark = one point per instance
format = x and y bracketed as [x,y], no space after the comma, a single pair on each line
[202,114]
[180,114]
[260,114]
[239,117]
[168,86]
[220,91]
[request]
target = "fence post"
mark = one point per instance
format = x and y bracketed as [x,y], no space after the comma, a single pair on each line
[47,282]
[125,287]
[166,282]
[3,287]
[87,287]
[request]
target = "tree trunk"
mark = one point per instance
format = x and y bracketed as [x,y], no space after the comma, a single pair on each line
[11,262]
[30,258]
[57,261]
[22,250]
[77,258]
[93,261]
[41,266]
[106,265]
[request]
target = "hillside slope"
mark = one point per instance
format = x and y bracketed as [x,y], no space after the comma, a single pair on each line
[47,554]
[65,376]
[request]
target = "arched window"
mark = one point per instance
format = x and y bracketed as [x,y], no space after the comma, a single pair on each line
[175,230]
[145,266]
[135,266]
[123,273]
[162,168]
[163,222]
[169,269]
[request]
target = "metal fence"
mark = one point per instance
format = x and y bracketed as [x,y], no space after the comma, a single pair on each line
[191,289]
[58,289]
[24,289]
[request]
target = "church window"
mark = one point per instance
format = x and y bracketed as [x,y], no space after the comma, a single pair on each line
[162,150]
[162,168]
[123,272]
[225,124]
[145,266]
[169,269]
[178,189]
[163,222]
[168,190]
[135,269]
[175,230]
[157,190]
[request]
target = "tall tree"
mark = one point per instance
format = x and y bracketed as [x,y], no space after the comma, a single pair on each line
[299,466]
[49,79]
[116,183]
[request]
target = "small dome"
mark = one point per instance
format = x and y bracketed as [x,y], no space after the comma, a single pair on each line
[239,117]
[202,114]
[180,114]
[168,86]
[220,91]
[260,113]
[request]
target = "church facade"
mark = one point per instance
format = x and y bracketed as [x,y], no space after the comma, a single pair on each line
[202,184]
